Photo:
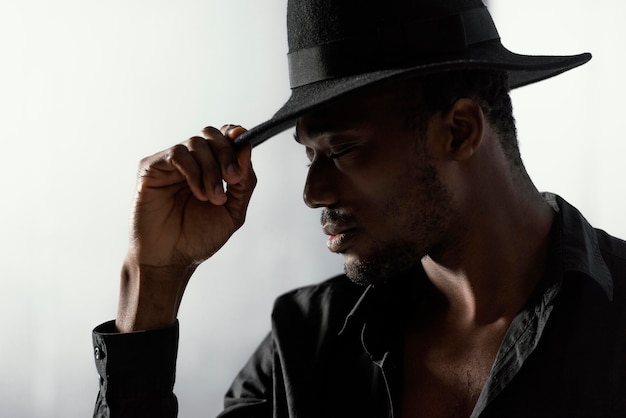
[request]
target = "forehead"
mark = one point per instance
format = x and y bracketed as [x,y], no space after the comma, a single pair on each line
[377,105]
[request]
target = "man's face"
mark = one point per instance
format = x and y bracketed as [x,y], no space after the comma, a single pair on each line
[384,206]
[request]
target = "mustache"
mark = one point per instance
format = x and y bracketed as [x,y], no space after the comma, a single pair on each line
[334,216]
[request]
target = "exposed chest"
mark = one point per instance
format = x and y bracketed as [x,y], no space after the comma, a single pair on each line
[443,377]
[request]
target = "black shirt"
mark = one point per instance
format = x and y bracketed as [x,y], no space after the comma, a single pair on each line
[335,348]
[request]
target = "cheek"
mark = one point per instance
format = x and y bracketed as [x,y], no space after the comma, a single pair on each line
[386,211]
[453,180]
[382,179]
[417,204]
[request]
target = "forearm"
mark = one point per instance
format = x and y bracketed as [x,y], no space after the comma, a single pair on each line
[150,296]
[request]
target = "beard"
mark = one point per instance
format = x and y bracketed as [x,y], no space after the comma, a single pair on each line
[422,217]
[388,261]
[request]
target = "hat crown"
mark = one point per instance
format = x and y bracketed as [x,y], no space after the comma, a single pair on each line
[313,23]
[337,38]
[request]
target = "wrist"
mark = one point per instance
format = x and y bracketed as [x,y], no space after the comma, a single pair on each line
[150,296]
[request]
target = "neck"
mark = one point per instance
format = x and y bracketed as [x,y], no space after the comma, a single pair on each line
[488,274]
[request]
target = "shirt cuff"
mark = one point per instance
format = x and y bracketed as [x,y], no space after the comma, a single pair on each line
[137,364]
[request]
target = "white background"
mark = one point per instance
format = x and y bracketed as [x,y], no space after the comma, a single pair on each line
[88,88]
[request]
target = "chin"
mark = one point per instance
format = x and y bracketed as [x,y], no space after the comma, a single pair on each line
[383,265]
[366,272]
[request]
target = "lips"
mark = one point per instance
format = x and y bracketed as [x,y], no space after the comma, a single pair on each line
[338,237]
[340,227]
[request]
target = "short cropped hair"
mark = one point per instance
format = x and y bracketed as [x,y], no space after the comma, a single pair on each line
[489,88]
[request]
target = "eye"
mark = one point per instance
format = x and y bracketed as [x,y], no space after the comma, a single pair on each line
[337,154]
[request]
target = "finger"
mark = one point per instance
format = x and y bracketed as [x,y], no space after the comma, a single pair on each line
[181,158]
[248,177]
[244,153]
[232,131]
[244,159]
[239,194]
[224,153]
[225,129]
[210,175]
[157,171]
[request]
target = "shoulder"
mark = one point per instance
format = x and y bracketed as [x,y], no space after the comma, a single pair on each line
[613,252]
[338,290]
[612,248]
[323,304]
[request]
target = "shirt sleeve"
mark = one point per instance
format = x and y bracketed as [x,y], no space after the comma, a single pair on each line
[137,372]
[253,392]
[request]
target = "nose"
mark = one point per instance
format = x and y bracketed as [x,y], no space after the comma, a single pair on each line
[320,189]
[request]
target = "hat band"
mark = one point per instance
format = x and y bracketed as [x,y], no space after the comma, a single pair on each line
[390,47]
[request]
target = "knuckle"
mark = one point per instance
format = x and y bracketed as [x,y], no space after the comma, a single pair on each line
[195,142]
[177,151]
[209,132]
[249,183]
[172,156]
[145,162]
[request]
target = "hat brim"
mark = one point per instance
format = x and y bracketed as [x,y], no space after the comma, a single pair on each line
[522,69]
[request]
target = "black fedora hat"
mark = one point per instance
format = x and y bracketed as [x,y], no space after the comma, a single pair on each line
[338,46]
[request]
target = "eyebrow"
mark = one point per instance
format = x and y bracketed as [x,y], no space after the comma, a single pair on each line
[322,128]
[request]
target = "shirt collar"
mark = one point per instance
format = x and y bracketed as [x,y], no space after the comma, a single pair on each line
[379,314]
[578,244]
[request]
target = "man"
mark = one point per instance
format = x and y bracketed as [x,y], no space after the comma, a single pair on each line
[467,292]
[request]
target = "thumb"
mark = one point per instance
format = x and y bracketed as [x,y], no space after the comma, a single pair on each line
[244,154]
[232,131]
[239,193]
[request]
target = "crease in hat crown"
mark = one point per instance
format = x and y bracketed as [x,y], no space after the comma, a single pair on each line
[338,46]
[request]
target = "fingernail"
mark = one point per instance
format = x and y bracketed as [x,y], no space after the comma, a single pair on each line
[230,128]
[227,127]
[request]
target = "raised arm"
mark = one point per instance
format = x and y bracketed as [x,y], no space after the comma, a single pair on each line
[182,215]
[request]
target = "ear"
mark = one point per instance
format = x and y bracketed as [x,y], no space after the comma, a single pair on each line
[465,124]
